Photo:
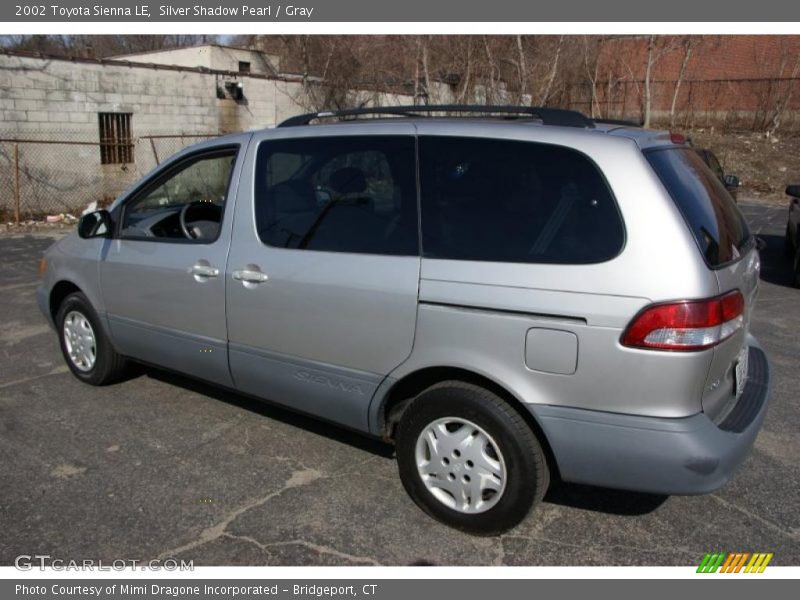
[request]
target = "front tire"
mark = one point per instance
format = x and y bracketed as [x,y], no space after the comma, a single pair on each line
[86,348]
[469,459]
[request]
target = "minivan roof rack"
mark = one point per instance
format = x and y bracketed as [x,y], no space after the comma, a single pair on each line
[548,116]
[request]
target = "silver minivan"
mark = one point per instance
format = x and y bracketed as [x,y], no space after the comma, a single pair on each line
[508,296]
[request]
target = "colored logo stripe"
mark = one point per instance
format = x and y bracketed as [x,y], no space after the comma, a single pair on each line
[758,563]
[711,562]
[734,562]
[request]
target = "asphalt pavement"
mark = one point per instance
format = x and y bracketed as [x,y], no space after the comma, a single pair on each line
[162,466]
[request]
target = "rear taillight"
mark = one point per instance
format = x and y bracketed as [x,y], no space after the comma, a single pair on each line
[687,325]
[677,138]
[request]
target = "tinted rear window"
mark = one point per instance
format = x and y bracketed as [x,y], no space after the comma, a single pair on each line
[711,213]
[513,201]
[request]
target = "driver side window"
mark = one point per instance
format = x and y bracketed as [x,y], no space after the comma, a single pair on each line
[185,204]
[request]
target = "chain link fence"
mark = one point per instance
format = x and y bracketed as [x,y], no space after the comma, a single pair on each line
[59,173]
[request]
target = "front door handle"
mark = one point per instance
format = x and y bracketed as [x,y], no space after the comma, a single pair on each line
[249,276]
[203,271]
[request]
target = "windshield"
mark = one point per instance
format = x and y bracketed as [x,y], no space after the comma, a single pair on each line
[716,222]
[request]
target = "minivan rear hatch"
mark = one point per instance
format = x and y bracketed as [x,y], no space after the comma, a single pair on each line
[728,248]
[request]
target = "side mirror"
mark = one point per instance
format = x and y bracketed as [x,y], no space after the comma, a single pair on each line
[731,181]
[95,224]
[793,190]
[322,197]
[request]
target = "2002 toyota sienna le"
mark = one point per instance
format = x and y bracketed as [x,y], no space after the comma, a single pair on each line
[505,297]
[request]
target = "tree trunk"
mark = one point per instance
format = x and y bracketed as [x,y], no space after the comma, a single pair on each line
[425,70]
[467,74]
[681,74]
[523,70]
[490,92]
[552,76]
[784,99]
[592,74]
[416,71]
[651,43]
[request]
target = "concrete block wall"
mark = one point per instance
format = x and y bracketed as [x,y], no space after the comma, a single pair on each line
[210,56]
[59,99]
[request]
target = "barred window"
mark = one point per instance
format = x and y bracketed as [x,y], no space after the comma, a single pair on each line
[116,138]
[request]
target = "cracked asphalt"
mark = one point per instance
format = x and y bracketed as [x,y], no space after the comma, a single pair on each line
[162,466]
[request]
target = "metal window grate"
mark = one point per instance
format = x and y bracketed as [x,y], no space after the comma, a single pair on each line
[116,138]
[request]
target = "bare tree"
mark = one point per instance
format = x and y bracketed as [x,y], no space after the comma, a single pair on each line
[786,85]
[522,70]
[492,74]
[591,66]
[651,60]
[657,48]
[688,44]
[425,70]
[551,77]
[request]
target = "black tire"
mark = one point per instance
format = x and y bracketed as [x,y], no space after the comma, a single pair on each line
[108,366]
[526,472]
[788,247]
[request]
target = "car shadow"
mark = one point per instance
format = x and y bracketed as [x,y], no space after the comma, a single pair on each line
[603,500]
[270,410]
[776,268]
[586,497]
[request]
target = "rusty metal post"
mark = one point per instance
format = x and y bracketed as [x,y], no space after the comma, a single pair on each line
[155,154]
[16,181]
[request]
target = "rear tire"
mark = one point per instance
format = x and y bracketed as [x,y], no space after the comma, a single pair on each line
[455,429]
[86,348]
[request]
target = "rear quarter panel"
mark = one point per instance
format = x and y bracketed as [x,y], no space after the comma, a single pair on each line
[743,275]
[658,262]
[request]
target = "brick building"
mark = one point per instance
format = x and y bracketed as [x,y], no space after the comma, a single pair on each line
[740,80]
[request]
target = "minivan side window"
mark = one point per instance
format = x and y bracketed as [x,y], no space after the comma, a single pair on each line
[338,194]
[514,201]
[185,204]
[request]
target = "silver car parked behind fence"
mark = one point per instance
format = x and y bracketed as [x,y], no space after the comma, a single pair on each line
[505,299]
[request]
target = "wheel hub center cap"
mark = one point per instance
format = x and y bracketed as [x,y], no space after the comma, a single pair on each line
[461,465]
[79,340]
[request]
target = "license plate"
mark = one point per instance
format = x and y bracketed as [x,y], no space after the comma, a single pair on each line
[740,374]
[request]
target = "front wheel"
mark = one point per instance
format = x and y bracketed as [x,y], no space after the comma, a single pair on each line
[469,459]
[84,344]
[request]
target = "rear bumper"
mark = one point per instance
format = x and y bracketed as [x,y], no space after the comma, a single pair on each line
[690,455]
